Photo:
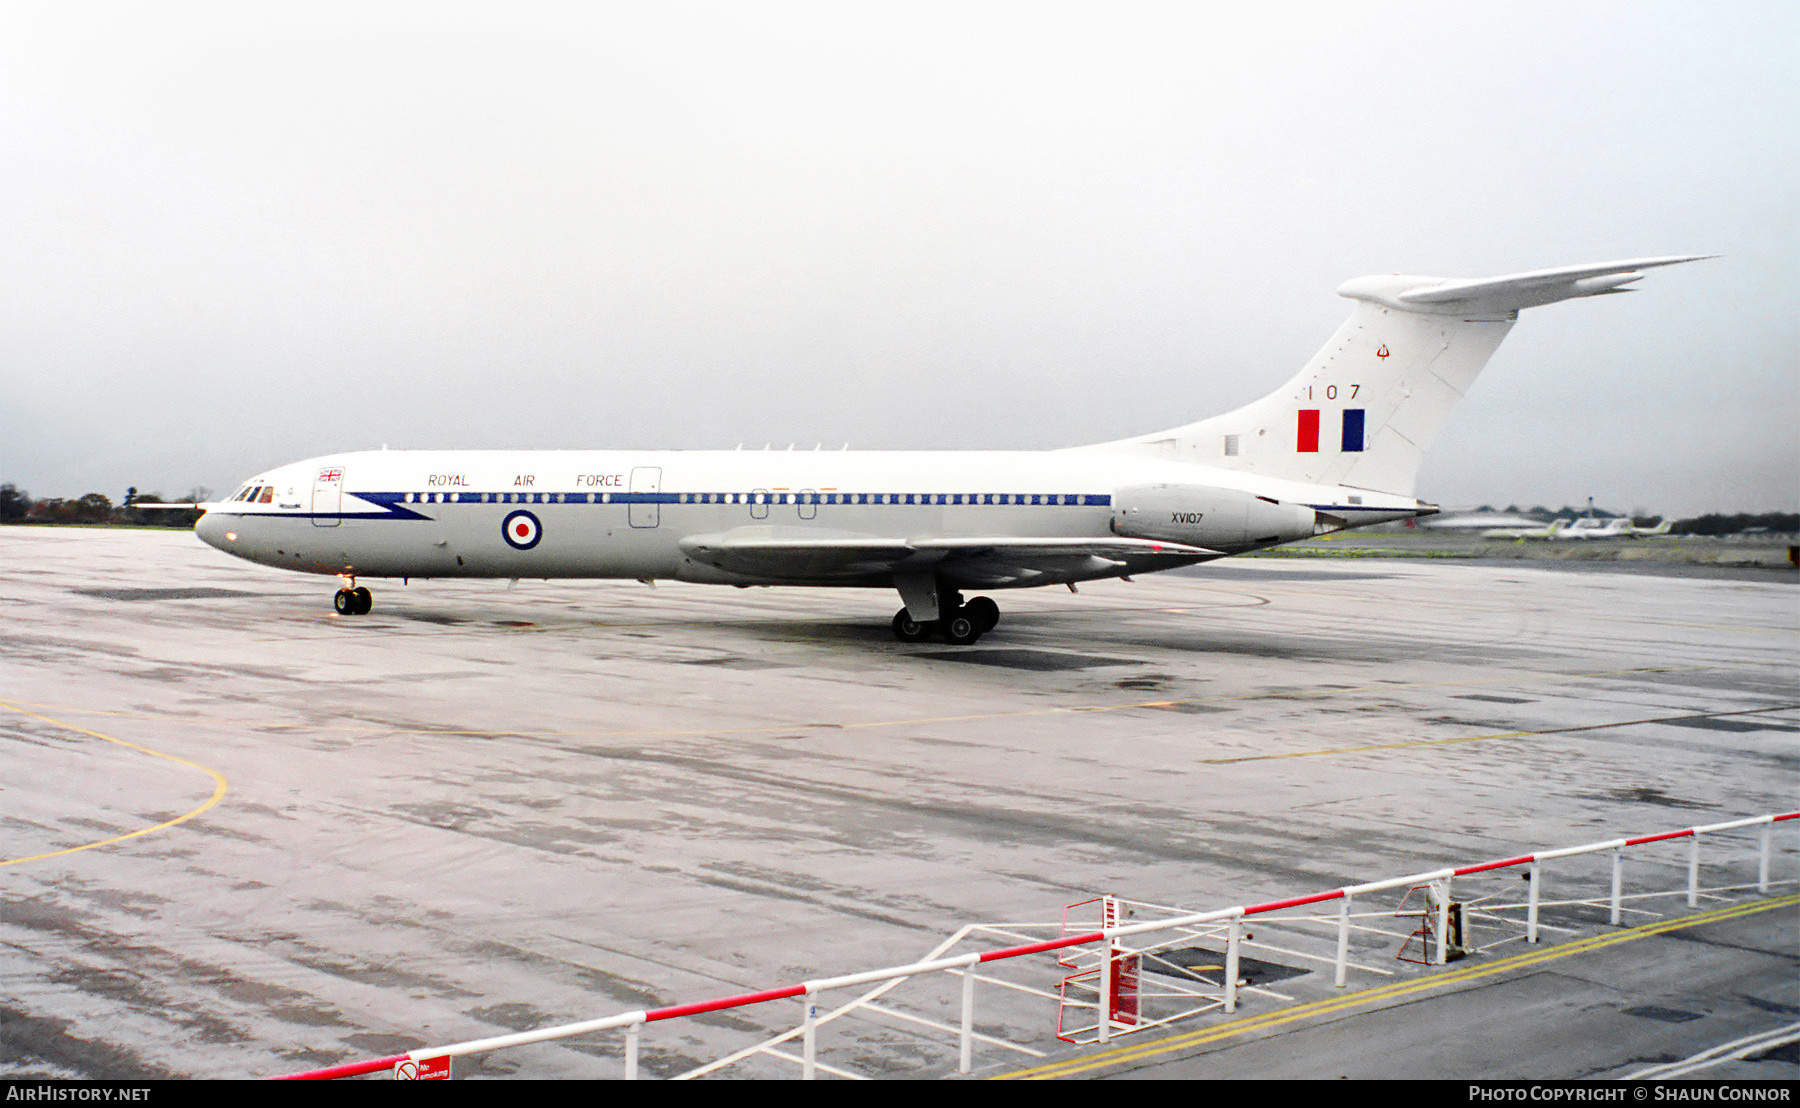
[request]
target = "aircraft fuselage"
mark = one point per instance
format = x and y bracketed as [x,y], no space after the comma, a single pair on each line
[626,514]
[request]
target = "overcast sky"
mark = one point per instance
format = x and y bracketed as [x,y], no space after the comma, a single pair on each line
[237,235]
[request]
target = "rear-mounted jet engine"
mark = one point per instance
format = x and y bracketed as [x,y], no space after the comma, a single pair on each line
[1214,518]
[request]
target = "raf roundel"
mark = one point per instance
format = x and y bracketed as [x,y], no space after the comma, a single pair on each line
[521,530]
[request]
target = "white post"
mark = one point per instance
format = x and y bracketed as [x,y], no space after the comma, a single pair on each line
[1106,975]
[1343,951]
[1694,870]
[1762,862]
[1531,909]
[631,1051]
[968,1021]
[1231,966]
[1443,922]
[1618,882]
[808,1069]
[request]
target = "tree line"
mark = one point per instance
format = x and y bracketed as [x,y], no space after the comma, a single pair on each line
[17,506]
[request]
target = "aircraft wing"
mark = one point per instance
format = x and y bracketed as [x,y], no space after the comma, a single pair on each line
[973,561]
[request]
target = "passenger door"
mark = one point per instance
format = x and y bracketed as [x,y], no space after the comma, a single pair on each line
[646,479]
[328,497]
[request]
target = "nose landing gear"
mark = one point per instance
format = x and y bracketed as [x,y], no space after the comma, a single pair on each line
[353,600]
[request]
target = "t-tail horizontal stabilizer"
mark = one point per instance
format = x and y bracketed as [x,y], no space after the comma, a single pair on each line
[1505,296]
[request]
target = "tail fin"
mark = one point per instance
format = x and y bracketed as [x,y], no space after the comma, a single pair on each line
[1367,406]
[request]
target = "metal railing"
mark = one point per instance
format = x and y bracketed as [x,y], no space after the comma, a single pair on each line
[1098,952]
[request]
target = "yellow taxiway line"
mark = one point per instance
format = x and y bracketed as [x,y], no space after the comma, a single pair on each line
[218,793]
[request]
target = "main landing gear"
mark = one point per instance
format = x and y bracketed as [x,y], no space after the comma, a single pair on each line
[960,624]
[353,600]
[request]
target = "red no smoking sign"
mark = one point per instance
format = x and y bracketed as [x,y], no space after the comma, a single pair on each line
[424,1069]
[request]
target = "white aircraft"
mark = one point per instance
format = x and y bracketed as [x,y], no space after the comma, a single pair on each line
[1338,446]
[1478,521]
[1548,531]
[1607,527]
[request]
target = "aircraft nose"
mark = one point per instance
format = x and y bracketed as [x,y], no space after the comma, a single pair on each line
[213,531]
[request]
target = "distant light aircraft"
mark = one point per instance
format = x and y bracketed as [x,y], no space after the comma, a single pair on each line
[1548,531]
[1336,447]
[1581,529]
[1607,527]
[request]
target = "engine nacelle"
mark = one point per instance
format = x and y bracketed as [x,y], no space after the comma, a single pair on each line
[1218,519]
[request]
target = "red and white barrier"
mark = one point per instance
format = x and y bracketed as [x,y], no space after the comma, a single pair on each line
[633,1022]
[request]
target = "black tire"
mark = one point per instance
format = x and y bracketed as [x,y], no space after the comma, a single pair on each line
[365,601]
[962,629]
[908,629]
[984,612]
[344,602]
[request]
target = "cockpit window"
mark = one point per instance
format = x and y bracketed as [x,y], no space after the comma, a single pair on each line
[268,495]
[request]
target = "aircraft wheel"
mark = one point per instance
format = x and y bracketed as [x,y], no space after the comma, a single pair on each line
[908,629]
[984,612]
[962,629]
[364,601]
[344,602]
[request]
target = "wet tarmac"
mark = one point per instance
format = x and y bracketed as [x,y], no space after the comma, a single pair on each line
[241,835]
